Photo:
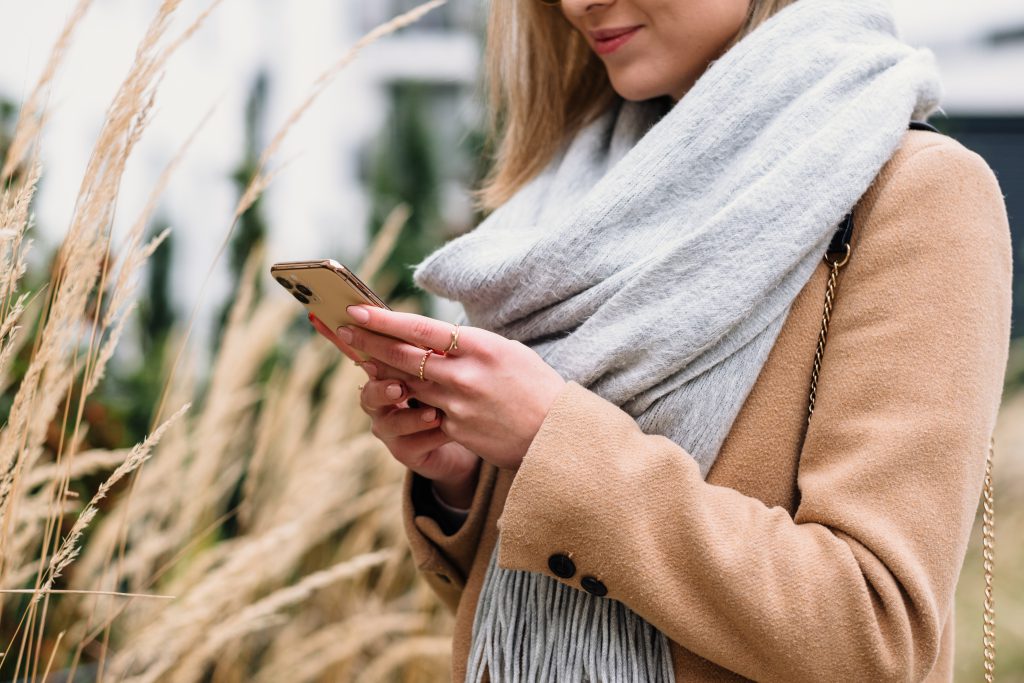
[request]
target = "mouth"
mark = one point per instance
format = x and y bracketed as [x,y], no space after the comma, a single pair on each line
[606,41]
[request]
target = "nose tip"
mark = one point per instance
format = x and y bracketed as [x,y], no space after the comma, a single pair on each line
[580,6]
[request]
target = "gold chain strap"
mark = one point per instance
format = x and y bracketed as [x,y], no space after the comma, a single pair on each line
[988,552]
[830,295]
[988,517]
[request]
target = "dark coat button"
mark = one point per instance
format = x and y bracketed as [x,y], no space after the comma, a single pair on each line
[592,585]
[561,565]
[443,577]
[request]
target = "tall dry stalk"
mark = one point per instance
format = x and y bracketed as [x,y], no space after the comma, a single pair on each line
[74,342]
[316,543]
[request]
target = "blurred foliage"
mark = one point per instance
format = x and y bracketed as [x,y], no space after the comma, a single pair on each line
[405,170]
[133,391]
[251,229]
[419,149]
[1014,381]
[481,152]
[8,117]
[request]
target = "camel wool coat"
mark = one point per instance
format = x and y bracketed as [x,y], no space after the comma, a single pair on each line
[821,557]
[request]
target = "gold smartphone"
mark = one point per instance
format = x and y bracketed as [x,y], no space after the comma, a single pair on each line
[325,288]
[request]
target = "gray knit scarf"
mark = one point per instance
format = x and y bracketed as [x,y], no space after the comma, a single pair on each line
[654,262]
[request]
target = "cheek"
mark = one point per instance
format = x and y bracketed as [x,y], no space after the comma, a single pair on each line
[683,38]
[700,28]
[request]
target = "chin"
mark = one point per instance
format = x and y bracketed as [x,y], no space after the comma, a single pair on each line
[637,90]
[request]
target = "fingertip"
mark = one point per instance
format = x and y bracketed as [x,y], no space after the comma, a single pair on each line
[347,350]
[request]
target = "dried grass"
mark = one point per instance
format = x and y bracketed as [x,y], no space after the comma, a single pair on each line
[310,494]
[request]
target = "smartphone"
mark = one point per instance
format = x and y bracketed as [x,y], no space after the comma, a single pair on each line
[325,288]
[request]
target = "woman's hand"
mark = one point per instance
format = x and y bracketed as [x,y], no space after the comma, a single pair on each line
[417,443]
[494,392]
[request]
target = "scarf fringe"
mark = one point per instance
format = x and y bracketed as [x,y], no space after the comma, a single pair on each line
[530,627]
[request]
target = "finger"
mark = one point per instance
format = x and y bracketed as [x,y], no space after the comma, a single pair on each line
[416,394]
[380,370]
[381,393]
[333,338]
[374,396]
[404,422]
[400,355]
[412,450]
[414,329]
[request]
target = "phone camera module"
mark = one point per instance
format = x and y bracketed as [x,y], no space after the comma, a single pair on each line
[284,283]
[304,289]
[301,298]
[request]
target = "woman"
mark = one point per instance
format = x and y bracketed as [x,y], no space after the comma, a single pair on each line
[629,408]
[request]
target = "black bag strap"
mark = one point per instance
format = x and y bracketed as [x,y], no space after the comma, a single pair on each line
[841,240]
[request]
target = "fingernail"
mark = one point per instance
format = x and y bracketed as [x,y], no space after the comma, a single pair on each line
[358,313]
[429,415]
[393,391]
[345,334]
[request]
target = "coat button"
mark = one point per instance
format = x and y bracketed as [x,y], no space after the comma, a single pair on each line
[443,577]
[561,565]
[592,585]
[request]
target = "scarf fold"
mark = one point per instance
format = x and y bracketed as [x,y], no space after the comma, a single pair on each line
[655,260]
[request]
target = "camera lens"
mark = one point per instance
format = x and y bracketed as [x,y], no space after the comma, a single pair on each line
[300,297]
[284,283]
[304,289]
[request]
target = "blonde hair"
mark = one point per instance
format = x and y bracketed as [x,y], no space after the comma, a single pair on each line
[544,83]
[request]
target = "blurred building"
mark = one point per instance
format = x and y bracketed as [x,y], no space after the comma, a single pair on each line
[323,204]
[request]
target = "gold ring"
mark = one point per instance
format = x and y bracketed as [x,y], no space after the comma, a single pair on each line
[454,345]
[423,362]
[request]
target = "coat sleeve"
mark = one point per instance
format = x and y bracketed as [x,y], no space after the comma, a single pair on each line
[443,545]
[857,584]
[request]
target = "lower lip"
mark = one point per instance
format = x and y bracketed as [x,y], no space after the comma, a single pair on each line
[604,47]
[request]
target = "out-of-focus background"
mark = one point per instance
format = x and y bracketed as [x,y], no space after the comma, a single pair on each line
[402,124]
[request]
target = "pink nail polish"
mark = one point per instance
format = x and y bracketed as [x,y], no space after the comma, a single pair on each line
[358,313]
